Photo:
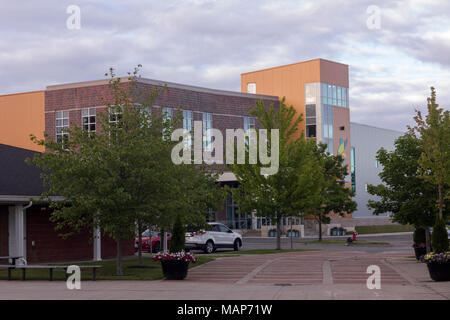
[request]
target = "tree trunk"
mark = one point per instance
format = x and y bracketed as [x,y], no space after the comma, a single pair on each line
[427,239]
[119,268]
[320,227]
[441,200]
[162,243]
[278,232]
[140,244]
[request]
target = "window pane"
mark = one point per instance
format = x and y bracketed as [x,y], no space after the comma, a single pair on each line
[344,96]
[334,95]
[339,96]
[324,90]
[310,93]
[251,88]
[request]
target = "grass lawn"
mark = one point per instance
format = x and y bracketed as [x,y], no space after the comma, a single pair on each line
[153,272]
[339,241]
[391,228]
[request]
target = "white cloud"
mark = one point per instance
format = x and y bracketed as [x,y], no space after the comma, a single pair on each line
[210,42]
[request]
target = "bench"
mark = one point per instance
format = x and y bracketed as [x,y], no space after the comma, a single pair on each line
[13,258]
[50,268]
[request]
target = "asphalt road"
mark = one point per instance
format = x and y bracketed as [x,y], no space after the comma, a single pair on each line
[397,242]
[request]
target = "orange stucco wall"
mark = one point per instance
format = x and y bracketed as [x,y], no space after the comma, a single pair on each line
[289,80]
[22,114]
[285,81]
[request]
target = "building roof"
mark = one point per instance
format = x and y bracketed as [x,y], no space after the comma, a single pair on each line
[292,64]
[18,180]
[374,127]
[163,84]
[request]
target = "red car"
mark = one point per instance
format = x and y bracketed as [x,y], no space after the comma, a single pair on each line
[155,241]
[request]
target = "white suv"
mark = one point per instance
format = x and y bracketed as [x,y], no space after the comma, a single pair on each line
[218,236]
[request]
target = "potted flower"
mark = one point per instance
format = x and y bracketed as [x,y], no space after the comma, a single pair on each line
[438,265]
[438,262]
[419,243]
[176,263]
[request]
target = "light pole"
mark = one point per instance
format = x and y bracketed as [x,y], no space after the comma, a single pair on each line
[292,247]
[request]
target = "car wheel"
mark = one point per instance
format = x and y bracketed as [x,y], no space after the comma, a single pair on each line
[237,244]
[156,247]
[209,247]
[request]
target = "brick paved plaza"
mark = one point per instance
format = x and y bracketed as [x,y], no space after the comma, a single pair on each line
[295,275]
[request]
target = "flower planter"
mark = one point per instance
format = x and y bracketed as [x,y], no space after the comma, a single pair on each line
[419,251]
[439,271]
[175,269]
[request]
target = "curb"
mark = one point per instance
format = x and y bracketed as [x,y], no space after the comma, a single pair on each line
[338,237]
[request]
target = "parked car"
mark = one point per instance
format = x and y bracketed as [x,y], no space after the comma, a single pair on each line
[218,236]
[150,236]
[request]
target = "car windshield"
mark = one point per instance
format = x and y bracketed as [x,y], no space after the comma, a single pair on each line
[147,233]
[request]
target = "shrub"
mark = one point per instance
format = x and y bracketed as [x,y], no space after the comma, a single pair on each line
[419,236]
[177,242]
[439,237]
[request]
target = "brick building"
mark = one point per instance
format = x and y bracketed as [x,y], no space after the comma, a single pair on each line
[25,228]
[318,89]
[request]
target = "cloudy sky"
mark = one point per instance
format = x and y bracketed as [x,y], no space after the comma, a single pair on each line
[211,42]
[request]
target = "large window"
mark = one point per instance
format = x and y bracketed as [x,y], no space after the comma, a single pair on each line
[88,119]
[310,121]
[310,93]
[207,124]
[327,126]
[334,95]
[236,219]
[352,167]
[167,114]
[62,125]
[115,115]
[187,126]
[251,87]
[249,123]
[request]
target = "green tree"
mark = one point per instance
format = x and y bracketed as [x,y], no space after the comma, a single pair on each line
[403,191]
[177,242]
[433,132]
[335,196]
[294,188]
[124,174]
[440,236]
